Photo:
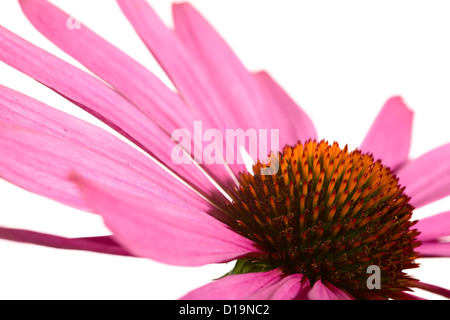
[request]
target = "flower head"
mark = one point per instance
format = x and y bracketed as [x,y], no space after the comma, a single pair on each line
[312,229]
[329,214]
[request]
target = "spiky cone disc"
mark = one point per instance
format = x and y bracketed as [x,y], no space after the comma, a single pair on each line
[329,214]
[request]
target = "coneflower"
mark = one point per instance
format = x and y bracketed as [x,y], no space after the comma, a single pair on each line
[312,229]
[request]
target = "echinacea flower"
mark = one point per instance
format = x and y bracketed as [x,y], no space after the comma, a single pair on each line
[310,231]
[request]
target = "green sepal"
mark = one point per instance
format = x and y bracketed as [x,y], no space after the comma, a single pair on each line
[248,266]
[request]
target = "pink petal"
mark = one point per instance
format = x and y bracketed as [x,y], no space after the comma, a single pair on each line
[184,69]
[165,232]
[19,110]
[434,249]
[129,77]
[321,291]
[434,227]
[95,97]
[233,82]
[265,104]
[288,288]
[235,287]
[228,75]
[189,75]
[427,178]
[342,295]
[109,63]
[432,288]
[223,103]
[389,138]
[105,244]
[42,163]
[210,76]
[285,114]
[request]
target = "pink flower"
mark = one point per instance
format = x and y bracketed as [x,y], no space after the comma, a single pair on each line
[336,230]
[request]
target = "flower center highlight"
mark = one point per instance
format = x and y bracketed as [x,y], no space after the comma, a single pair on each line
[328,214]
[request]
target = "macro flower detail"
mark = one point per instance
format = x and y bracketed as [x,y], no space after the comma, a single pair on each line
[329,214]
[311,230]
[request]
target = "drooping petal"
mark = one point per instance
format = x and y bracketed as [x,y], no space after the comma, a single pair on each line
[97,98]
[427,178]
[288,288]
[235,287]
[22,111]
[212,79]
[321,291]
[165,232]
[389,138]
[230,77]
[434,227]
[42,163]
[103,244]
[431,288]
[342,295]
[192,79]
[204,89]
[285,114]
[182,68]
[111,64]
[149,94]
[232,81]
[434,249]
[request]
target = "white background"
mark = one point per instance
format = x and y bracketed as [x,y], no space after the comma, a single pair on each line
[340,60]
